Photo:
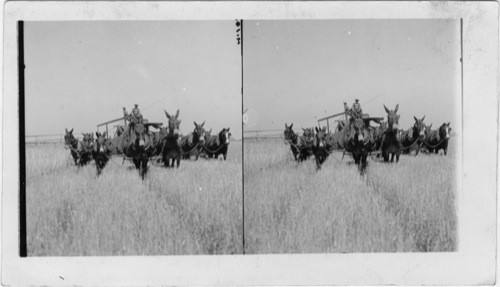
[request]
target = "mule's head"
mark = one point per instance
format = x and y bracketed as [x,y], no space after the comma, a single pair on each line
[419,128]
[208,134]
[173,123]
[100,142]
[288,133]
[359,129]
[308,134]
[392,117]
[224,136]
[320,137]
[445,130]
[140,133]
[68,137]
[199,131]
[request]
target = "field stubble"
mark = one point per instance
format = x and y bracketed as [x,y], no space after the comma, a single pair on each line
[292,208]
[196,209]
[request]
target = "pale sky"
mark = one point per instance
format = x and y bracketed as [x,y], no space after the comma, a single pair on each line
[302,70]
[79,74]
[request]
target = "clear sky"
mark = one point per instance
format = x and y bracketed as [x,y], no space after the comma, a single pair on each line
[302,70]
[79,74]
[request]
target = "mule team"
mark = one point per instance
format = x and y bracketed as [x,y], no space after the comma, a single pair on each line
[357,137]
[140,144]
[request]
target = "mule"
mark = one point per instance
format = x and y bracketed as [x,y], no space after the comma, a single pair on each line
[171,149]
[320,147]
[135,143]
[391,147]
[336,141]
[437,140]
[290,137]
[101,151]
[218,144]
[86,148]
[305,144]
[72,143]
[413,138]
[193,143]
[356,140]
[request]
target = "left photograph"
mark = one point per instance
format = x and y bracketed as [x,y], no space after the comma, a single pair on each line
[133,138]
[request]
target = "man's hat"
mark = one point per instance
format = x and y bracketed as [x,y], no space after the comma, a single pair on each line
[136,105]
[357,100]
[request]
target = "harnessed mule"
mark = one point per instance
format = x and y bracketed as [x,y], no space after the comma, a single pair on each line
[320,147]
[171,150]
[437,140]
[356,140]
[101,152]
[194,142]
[291,138]
[218,144]
[413,139]
[390,142]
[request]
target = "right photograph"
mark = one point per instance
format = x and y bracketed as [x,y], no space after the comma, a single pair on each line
[352,135]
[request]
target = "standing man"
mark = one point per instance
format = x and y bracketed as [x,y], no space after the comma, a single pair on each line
[357,113]
[136,114]
[125,114]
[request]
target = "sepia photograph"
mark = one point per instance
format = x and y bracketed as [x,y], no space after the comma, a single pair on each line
[351,135]
[133,138]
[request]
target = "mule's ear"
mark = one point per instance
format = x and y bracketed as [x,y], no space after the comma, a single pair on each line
[177,113]
[168,116]
[67,129]
[195,124]
[286,126]
[415,118]
[97,134]
[291,125]
[423,118]
[386,109]
[316,129]
[71,131]
[202,124]
[228,128]
[397,107]
[448,123]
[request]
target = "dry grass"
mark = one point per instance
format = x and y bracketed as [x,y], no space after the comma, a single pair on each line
[291,208]
[195,209]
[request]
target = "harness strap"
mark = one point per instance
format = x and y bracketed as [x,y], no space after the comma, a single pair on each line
[187,152]
[215,150]
[428,145]
[409,146]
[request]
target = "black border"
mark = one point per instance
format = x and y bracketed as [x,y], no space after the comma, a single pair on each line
[23,252]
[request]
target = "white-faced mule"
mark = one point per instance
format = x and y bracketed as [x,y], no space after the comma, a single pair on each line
[217,144]
[437,140]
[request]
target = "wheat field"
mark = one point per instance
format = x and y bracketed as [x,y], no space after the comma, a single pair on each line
[195,209]
[292,208]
